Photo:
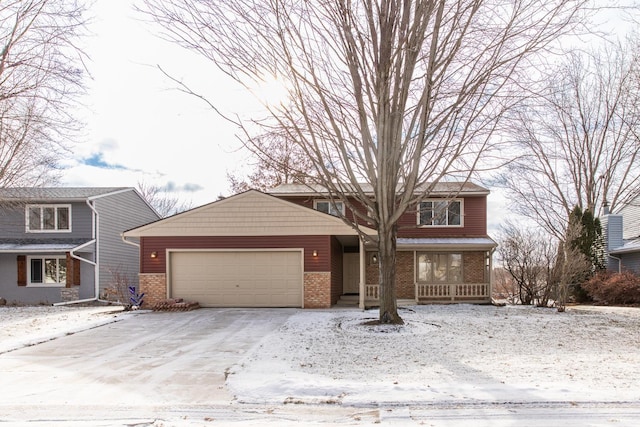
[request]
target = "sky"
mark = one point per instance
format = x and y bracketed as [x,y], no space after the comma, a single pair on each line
[141,129]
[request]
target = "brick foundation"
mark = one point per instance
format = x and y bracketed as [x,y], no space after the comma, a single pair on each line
[154,287]
[317,290]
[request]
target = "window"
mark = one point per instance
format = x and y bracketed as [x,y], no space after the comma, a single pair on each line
[439,267]
[440,213]
[335,208]
[48,271]
[48,218]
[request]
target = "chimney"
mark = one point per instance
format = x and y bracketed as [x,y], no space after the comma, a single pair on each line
[605,207]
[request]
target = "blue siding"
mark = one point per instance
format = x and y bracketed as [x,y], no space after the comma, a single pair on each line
[118,213]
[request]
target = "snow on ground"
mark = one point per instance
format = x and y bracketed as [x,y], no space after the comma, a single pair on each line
[447,364]
[22,326]
[447,354]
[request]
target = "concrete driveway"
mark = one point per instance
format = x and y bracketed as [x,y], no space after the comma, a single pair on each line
[152,359]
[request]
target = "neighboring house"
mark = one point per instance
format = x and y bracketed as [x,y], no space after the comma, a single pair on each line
[621,234]
[64,244]
[285,249]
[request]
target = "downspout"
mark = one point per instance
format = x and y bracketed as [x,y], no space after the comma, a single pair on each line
[96,264]
[619,262]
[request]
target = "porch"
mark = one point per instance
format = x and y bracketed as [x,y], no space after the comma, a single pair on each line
[473,293]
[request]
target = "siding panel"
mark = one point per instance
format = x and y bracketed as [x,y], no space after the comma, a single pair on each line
[322,244]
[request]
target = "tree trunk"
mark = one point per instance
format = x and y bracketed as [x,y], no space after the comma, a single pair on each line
[387,268]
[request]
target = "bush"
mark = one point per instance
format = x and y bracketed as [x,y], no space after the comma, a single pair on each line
[614,288]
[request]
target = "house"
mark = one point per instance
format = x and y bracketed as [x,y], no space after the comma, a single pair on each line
[64,244]
[621,234]
[286,249]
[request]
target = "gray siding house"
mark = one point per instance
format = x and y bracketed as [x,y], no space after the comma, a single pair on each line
[622,239]
[64,244]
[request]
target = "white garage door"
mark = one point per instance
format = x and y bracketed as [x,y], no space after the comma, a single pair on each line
[238,278]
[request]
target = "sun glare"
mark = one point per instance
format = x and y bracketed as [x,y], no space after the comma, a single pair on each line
[271,92]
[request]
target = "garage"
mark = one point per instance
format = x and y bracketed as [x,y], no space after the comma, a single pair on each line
[237,278]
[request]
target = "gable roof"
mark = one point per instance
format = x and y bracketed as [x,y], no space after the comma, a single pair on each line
[440,189]
[251,213]
[57,193]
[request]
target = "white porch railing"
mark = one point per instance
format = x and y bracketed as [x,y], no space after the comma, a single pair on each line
[439,292]
[371,292]
[452,291]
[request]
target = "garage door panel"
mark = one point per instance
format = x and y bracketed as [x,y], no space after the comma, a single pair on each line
[238,278]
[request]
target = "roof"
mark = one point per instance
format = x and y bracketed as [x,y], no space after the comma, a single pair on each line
[629,246]
[447,243]
[40,245]
[440,188]
[251,213]
[56,193]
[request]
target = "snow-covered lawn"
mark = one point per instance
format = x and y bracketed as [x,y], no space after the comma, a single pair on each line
[453,354]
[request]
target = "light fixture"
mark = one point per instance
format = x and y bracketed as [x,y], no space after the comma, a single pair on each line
[374,258]
[314,253]
[154,254]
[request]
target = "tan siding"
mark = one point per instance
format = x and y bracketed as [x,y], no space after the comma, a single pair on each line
[247,214]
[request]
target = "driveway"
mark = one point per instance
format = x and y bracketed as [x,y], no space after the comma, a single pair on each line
[151,359]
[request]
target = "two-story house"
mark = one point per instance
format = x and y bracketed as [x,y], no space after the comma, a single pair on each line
[287,249]
[621,232]
[65,244]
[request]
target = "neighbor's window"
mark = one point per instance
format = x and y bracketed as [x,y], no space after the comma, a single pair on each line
[439,267]
[335,208]
[440,213]
[47,271]
[48,218]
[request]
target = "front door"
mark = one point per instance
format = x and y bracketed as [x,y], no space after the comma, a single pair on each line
[351,273]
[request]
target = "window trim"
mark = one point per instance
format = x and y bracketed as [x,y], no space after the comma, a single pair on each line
[461,201]
[432,280]
[44,284]
[330,202]
[41,206]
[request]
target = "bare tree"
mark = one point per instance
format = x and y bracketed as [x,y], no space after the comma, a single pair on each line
[529,256]
[164,204]
[279,161]
[390,95]
[41,72]
[579,138]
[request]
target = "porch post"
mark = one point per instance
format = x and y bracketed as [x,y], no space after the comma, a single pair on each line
[362,274]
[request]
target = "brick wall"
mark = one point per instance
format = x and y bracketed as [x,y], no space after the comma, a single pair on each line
[154,287]
[317,290]
[405,283]
[474,267]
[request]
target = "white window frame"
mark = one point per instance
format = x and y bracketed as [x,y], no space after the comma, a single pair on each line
[44,283]
[56,208]
[449,201]
[432,279]
[339,204]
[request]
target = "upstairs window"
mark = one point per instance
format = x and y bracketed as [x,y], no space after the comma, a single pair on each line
[48,218]
[440,213]
[326,206]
